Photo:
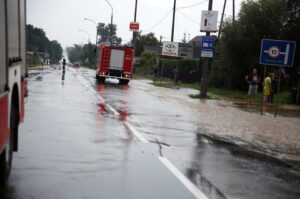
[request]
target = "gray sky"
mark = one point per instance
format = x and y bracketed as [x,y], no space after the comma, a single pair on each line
[61,19]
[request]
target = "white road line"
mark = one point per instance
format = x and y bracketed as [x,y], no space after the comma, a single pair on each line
[83,82]
[115,112]
[135,132]
[184,180]
[167,163]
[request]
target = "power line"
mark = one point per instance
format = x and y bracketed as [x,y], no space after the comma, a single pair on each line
[191,19]
[161,20]
[193,5]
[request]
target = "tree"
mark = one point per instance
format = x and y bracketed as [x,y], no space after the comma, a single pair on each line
[56,51]
[84,54]
[108,33]
[37,41]
[239,47]
[141,40]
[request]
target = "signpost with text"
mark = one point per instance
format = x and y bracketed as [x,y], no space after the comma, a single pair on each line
[277,53]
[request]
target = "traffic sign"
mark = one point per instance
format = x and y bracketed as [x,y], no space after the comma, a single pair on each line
[170,49]
[207,47]
[209,21]
[134,26]
[277,52]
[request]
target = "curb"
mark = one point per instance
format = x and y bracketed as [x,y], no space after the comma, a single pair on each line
[244,148]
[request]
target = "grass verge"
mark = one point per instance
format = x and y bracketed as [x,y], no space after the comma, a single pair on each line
[216,93]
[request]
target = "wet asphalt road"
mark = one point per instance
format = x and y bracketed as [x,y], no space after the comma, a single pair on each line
[83,140]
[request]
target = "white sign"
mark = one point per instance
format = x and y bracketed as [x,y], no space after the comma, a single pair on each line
[207,54]
[170,49]
[209,21]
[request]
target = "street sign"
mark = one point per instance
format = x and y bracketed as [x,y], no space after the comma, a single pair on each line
[185,51]
[207,47]
[170,49]
[277,52]
[134,26]
[209,21]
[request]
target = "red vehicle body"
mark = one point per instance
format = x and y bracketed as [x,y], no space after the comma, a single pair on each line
[13,83]
[114,61]
[76,65]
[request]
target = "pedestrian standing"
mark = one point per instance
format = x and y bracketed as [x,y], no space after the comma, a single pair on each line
[274,85]
[267,89]
[253,80]
[64,65]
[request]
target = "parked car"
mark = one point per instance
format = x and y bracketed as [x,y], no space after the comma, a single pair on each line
[76,65]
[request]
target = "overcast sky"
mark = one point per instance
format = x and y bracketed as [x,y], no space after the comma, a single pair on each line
[61,19]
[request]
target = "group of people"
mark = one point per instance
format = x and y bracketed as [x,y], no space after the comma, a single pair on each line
[269,85]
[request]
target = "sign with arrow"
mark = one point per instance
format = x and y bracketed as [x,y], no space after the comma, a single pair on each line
[209,21]
[277,52]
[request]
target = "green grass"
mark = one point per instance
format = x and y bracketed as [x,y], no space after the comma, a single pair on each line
[195,86]
[163,84]
[216,93]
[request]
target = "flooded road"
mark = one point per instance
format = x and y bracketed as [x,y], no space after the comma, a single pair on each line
[84,140]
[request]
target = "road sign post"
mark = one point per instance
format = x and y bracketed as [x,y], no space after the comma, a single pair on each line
[209,21]
[207,47]
[134,26]
[277,53]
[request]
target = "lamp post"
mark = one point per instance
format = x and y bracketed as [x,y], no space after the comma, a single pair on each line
[86,33]
[111,20]
[91,20]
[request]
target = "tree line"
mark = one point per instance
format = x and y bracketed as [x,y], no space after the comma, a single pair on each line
[238,50]
[38,42]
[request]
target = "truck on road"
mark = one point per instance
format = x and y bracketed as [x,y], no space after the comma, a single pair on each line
[13,83]
[114,61]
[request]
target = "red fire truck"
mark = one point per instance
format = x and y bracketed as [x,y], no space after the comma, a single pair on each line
[114,61]
[12,79]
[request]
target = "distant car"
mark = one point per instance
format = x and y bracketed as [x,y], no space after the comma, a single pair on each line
[76,65]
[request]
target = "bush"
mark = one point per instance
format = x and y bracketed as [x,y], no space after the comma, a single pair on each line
[188,70]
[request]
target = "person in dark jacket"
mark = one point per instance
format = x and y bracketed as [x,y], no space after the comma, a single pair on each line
[253,80]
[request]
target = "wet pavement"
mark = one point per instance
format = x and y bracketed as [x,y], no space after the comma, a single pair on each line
[83,140]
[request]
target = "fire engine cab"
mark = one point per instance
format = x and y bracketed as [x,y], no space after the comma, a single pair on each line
[114,61]
[13,82]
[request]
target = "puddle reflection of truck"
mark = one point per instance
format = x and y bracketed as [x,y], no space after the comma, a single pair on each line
[13,82]
[114,62]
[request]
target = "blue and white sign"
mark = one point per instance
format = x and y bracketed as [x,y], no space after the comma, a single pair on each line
[277,52]
[207,47]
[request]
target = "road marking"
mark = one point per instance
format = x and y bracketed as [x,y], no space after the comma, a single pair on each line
[184,180]
[167,163]
[83,82]
[135,132]
[115,112]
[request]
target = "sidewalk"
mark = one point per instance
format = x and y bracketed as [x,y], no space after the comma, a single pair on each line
[242,125]
[239,123]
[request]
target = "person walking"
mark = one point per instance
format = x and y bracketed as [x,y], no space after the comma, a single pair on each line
[253,80]
[267,89]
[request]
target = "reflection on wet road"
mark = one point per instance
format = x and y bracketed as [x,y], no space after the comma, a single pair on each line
[83,140]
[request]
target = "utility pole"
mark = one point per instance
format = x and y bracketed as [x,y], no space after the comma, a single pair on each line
[173,22]
[233,10]
[134,33]
[203,84]
[111,21]
[220,29]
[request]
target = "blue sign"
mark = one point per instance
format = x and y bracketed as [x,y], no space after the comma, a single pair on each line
[207,47]
[277,52]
